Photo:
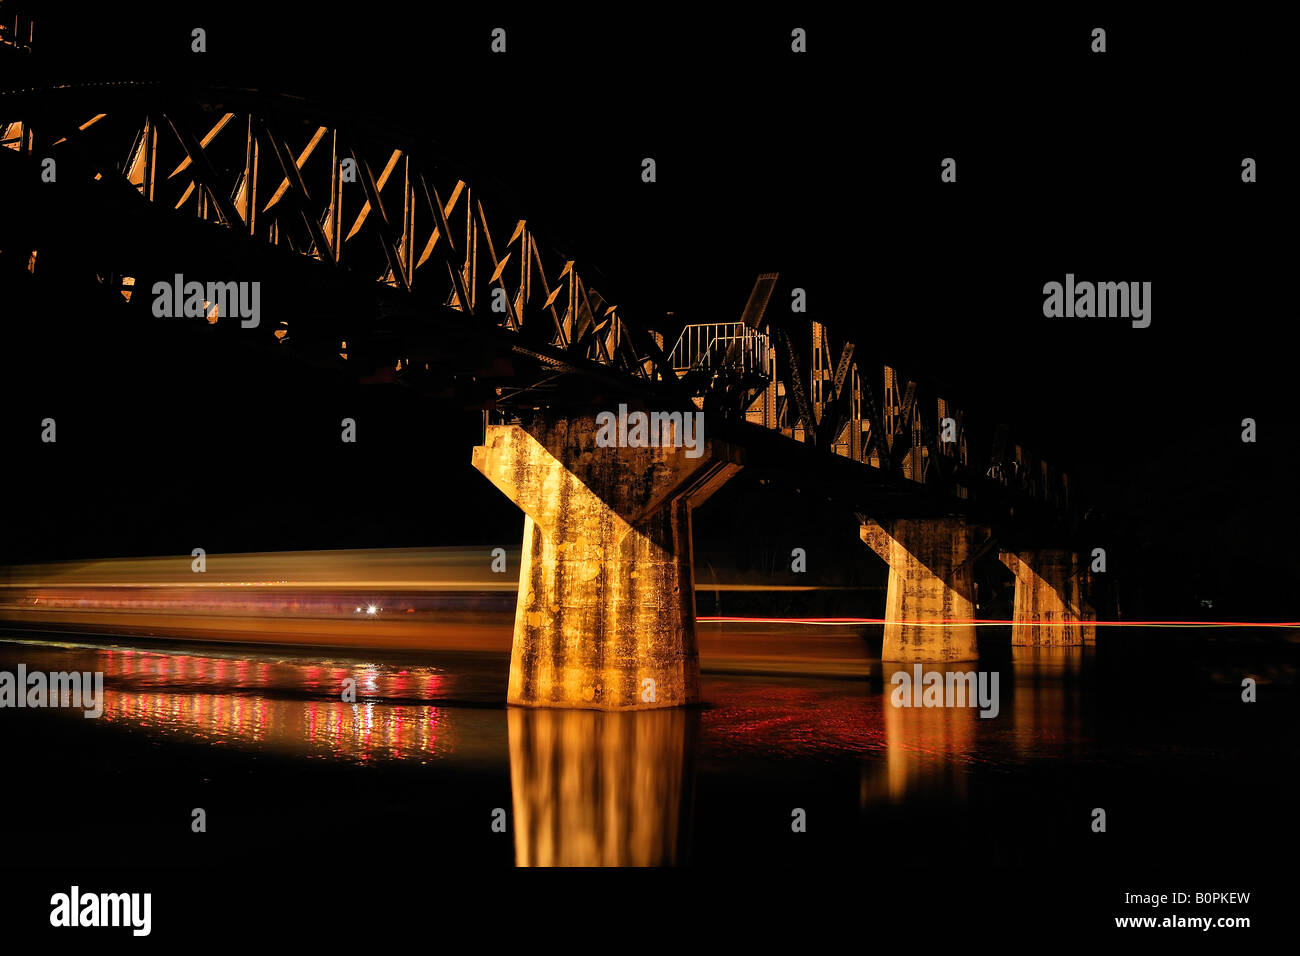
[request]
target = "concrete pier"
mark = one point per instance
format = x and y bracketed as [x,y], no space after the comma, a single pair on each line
[1050,609]
[930,580]
[605,617]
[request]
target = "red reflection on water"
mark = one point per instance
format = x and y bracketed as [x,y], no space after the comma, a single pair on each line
[214,699]
[787,719]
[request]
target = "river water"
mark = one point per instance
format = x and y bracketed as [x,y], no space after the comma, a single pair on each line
[791,759]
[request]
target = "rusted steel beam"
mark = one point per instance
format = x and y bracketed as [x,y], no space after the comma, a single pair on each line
[442,238]
[204,173]
[364,214]
[297,166]
[876,437]
[497,268]
[794,385]
[298,191]
[535,256]
[208,138]
[835,412]
[334,215]
[381,225]
[903,423]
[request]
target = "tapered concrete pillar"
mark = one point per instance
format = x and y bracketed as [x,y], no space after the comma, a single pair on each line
[605,617]
[1050,608]
[930,581]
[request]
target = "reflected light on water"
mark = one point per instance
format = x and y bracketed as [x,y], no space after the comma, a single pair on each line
[362,731]
[934,751]
[590,788]
[217,700]
[926,747]
[1047,707]
[601,789]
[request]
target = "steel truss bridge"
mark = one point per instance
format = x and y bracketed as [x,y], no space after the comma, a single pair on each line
[379,256]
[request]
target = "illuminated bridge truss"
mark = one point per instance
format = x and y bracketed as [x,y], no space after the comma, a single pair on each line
[369,205]
[377,207]
[824,395]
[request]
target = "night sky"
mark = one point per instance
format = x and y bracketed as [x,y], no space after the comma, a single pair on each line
[1116,167]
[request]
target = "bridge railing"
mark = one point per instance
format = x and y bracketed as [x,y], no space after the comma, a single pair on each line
[17,31]
[718,345]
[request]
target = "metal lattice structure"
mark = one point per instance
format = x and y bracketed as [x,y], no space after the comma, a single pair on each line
[381,208]
[374,205]
[826,395]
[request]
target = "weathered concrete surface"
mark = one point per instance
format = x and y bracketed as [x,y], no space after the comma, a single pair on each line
[605,617]
[1050,609]
[601,789]
[930,580]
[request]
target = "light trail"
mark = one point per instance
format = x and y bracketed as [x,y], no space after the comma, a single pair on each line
[405,569]
[985,622]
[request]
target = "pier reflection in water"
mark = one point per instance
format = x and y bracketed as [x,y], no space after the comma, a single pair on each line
[926,748]
[1047,701]
[601,789]
[936,751]
[667,787]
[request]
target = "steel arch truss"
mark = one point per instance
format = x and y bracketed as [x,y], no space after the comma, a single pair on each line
[360,203]
[374,207]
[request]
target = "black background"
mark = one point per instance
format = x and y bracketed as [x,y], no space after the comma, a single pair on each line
[1121,166]
[824,167]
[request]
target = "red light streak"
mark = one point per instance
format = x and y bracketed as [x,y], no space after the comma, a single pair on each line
[986,622]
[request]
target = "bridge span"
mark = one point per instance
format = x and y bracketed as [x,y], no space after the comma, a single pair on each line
[375,256]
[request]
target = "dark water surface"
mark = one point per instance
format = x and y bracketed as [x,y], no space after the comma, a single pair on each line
[1152,729]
